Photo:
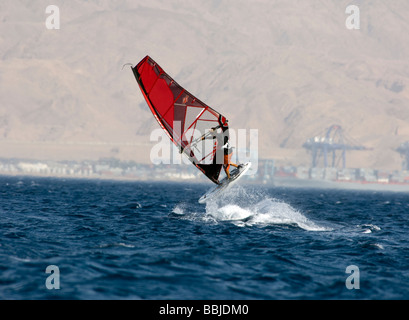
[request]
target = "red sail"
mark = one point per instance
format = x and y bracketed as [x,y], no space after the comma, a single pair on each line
[183,117]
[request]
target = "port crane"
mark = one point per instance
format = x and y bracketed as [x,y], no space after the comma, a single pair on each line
[333,143]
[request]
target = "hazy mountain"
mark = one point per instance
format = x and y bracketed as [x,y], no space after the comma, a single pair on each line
[287,68]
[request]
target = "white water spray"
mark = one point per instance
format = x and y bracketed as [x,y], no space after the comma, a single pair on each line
[252,208]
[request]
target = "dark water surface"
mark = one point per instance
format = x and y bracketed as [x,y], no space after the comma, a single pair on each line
[138,240]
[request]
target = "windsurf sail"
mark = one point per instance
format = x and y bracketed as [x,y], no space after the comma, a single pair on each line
[185,119]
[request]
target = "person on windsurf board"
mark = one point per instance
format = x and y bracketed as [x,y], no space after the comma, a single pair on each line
[223,144]
[224,150]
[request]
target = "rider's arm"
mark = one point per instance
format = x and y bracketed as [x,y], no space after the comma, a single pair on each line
[207,136]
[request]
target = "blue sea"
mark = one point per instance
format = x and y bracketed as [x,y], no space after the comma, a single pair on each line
[98,239]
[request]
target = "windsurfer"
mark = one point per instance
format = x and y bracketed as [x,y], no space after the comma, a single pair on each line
[223,144]
[184,118]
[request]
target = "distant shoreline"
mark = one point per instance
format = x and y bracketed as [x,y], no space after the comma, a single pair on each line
[278,182]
